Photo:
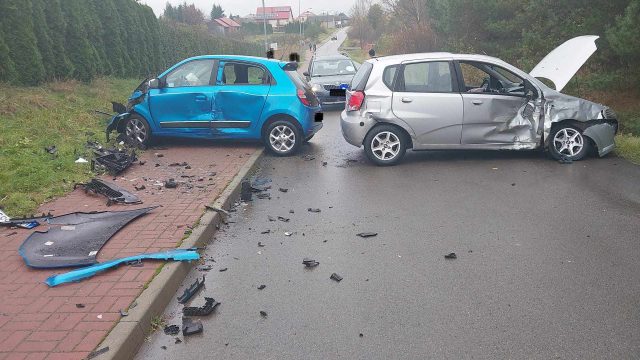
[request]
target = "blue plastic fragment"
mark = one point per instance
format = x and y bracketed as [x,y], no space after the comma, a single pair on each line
[89,271]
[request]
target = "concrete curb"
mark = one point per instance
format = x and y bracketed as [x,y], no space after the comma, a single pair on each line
[126,337]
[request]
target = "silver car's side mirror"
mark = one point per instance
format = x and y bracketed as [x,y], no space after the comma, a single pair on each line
[154,84]
[306,73]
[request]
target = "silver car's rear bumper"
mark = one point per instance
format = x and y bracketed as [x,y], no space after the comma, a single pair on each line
[354,127]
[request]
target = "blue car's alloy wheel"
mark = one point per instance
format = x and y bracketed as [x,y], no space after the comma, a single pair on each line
[282,138]
[137,130]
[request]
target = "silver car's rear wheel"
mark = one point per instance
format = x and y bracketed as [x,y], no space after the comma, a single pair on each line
[568,142]
[385,146]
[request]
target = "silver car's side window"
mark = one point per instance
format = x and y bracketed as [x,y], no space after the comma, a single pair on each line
[426,77]
[193,73]
[483,78]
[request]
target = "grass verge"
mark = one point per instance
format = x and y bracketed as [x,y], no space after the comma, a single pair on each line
[628,147]
[60,114]
[352,48]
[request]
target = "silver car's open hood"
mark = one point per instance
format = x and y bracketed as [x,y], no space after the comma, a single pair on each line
[564,61]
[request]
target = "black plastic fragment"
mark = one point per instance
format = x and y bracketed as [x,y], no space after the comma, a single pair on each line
[190,327]
[260,244]
[97,352]
[223,269]
[171,329]
[80,306]
[51,149]
[114,193]
[245,193]
[264,196]
[208,307]
[113,161]
[314,210]
[261,287]
[171,184]
[283,219]
[204,267]
[284,190]
[367,234]
[191,290]
[271,218]
[310,262]
[451,256]
[263,313]
[336,277]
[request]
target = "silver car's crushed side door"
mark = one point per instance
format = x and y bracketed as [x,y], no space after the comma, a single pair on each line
[505,121]
[434,116]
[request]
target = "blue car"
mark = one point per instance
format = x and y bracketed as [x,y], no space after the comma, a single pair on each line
[223,97]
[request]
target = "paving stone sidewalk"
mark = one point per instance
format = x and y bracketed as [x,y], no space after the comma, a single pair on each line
[38,322]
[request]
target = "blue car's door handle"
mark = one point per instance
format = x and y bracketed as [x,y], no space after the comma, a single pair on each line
[201,97]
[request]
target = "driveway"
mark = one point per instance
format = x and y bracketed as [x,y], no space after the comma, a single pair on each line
[547,260]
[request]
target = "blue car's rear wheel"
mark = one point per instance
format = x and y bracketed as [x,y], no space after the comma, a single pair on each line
[137,130]
[282,138]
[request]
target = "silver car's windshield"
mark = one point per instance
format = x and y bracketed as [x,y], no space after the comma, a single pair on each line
[333,67]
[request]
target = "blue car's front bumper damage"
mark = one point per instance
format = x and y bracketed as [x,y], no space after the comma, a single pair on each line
[114,123]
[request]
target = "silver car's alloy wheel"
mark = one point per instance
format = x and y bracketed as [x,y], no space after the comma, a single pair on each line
[385,145]
[568,141]
[282,138]
[136,130]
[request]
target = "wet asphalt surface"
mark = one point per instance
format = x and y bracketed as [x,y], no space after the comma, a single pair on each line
[547,260]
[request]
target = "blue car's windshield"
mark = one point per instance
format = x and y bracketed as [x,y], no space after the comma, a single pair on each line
[333,67]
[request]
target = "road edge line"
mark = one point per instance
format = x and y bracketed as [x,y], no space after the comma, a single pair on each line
[126,337]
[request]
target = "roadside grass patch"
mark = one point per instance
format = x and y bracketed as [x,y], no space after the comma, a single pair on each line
[628,147]
[60,114]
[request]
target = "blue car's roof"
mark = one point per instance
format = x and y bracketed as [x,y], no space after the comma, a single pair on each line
[257,59]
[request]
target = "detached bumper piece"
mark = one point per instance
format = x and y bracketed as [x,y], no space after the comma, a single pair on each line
[114,193]
[208,307]
[113,161]
[318,117]
[75,238]
[89,271]
[191,290]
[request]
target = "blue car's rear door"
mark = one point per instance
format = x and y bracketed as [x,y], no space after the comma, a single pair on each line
[184,103]
[241,91]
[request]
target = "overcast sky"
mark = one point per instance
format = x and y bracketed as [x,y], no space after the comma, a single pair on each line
[245,7]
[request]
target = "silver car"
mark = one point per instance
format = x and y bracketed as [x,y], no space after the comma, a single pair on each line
[451,101]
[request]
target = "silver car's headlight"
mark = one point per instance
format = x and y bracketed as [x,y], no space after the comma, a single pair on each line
[316,88]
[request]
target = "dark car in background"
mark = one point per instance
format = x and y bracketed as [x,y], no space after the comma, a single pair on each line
[327,73]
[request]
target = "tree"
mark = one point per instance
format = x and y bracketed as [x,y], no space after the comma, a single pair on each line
[7,67]
[77,44]
[17,27]
[61,66]
[623,35]
[43,40]
[217,12]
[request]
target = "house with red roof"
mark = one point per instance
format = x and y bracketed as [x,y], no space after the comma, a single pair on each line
[277,16]
[223,25]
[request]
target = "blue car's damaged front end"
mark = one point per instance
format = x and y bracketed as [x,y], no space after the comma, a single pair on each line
[223,97]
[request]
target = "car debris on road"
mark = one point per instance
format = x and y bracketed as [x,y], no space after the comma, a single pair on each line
[114,193]
[336,277]
[451,256]
[367,234]
[191,291]
[204,310]
[310,263]
[190,326]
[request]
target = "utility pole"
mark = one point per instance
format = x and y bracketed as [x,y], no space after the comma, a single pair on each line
[264,23]
[300,19]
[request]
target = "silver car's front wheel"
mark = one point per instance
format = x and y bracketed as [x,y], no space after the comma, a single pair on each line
[568,142]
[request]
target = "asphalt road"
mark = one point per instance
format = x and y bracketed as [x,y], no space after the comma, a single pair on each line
[547,260]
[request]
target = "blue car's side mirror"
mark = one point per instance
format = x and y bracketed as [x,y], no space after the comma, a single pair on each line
[154,84]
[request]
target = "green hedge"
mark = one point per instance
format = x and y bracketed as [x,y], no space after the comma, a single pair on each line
[44,40]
